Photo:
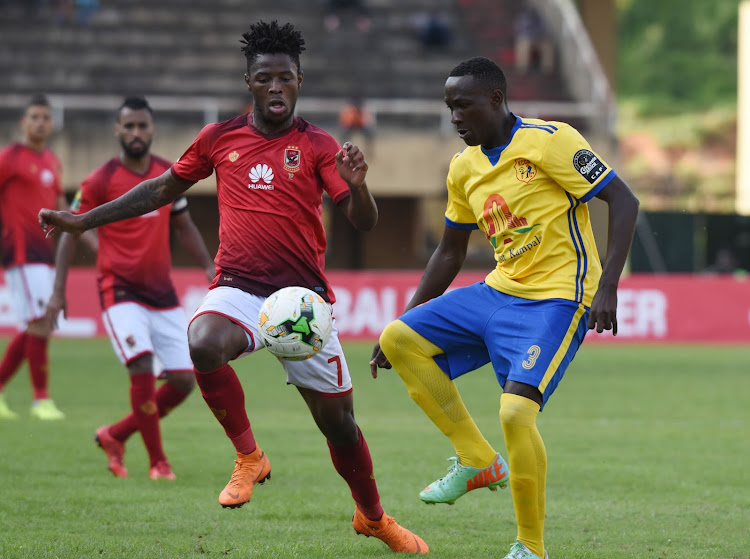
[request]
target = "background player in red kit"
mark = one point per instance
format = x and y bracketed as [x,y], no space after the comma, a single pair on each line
[272,169]
[140,308]
[29,181]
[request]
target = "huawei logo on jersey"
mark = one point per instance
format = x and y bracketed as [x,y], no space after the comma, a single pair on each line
[261,175]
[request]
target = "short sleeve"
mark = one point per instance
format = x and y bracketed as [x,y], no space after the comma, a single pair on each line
[89,196]
[571,162]
[195,164]
[326,149]
[6,167]
[458,213]
[58,175]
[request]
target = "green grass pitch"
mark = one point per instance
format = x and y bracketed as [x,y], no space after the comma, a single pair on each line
[648,458]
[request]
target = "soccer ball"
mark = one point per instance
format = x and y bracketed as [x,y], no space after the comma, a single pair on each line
[295,323]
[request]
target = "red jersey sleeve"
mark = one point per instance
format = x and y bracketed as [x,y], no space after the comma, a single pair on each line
[6,166]
[195,164]
[57,185]
[91,194]
[325,157]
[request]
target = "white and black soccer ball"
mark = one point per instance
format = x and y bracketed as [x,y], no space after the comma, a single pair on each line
[295,323]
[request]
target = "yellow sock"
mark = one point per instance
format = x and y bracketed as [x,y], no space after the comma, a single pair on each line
[411,356]
[527,462]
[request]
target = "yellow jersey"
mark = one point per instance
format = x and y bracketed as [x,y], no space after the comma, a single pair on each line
[529,197]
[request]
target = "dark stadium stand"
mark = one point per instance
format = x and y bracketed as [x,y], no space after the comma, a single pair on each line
[174,47]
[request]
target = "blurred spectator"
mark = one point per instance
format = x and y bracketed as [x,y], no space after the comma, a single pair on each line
[433,30]
[339,8]
[532,39]
[75,11]
[725,263]
[84,10]
[355,118]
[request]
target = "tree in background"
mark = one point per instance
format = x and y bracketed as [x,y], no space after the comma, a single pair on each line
[678,55]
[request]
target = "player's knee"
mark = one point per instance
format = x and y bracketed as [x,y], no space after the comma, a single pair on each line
[206,352]
[395,339]
[517,410]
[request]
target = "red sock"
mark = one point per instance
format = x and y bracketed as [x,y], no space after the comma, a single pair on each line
[143,402]
[223,393]
[167,398]
[14,354]
[354,464]
[36,353]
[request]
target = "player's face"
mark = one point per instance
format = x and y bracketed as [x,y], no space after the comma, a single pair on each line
[37,124]
[473,110]
[274,82]
[135,130]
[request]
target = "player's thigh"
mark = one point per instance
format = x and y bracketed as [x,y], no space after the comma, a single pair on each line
[129,328]
[534,341]
[327,372]
[455,322]
[237,306]
[169,338]
[30,286]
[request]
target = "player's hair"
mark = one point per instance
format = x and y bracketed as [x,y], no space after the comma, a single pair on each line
[134,103]
[483,70]
[271,38]
[37,100]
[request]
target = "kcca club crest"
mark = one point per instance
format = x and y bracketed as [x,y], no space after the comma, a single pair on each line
[292,159]
[525,170]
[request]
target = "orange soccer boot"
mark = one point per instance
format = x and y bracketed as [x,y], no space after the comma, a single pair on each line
[398,538]
[249,469]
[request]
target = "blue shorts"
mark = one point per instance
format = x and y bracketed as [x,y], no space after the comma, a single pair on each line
[527,341]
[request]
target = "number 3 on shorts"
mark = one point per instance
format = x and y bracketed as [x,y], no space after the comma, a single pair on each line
[534,352]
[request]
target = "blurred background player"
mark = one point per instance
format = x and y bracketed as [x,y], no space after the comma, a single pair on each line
[354,118]
[525,183]
[272,169]
[30,181]
[140,308]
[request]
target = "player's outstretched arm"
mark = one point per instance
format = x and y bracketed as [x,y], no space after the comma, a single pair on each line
[623,213]
[360,207]
[441,270]
[146,197]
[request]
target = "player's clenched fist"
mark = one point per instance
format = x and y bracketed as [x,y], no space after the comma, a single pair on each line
[53,222]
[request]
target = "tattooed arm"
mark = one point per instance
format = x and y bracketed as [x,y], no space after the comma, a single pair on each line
[146,197]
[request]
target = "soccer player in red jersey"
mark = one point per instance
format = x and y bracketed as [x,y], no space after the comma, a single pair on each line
[272,169]
[140,307]
[29,181]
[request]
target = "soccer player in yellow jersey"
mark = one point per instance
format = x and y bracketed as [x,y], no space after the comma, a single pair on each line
[525,184]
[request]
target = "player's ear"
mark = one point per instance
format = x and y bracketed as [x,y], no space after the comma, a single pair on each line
[247,81]
[497,98]
[300,77]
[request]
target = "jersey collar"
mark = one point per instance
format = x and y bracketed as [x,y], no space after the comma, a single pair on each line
[493,154]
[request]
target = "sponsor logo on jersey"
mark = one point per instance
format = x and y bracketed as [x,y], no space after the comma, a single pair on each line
[292,159]
[261,176]
[589,165]
[525,170]
[498,219]
[233,156]
[47,177]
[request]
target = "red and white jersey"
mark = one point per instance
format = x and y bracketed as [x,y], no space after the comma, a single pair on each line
[270,191]
[29,181]
[134,260]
